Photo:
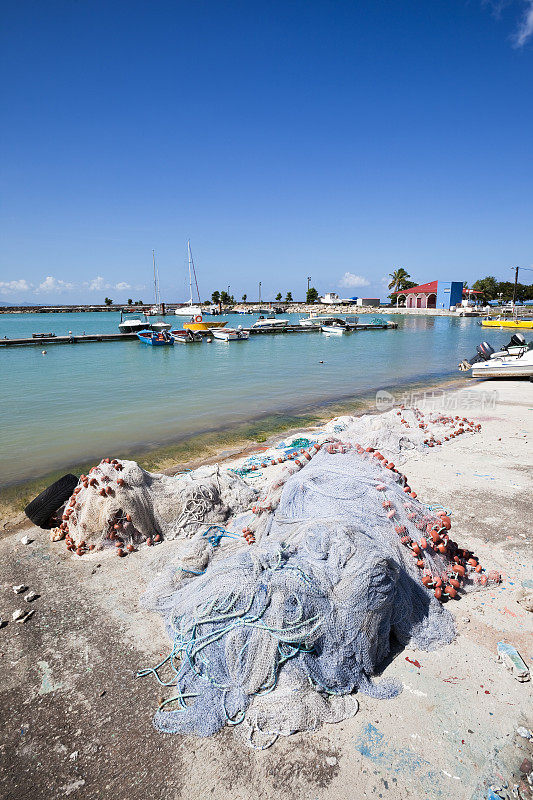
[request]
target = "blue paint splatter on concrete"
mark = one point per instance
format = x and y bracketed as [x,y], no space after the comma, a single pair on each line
[414,769]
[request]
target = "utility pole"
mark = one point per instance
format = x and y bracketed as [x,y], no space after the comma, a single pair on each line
[308,282]
[228,289]
[259,292]
[516,269]
[515,282]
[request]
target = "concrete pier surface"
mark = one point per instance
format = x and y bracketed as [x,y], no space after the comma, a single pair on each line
[76,722]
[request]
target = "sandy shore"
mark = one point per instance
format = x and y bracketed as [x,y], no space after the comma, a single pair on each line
[77,723]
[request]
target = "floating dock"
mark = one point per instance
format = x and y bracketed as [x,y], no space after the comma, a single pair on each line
[115,337]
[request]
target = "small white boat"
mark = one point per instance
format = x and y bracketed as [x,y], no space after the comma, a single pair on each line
[508,366]
[317,320]
[159,326]
[270,322]
[132,325]
[186,336]
[514,360]
[337,329]
[229,334]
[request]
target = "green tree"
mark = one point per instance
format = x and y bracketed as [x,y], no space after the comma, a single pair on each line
[225,299]
[406,285]
[215,297]
[279,296]
[288,298]
[108,301]
[139,303]
[244,298]
[130,301]
[312,295]
[489,286]
[398,280]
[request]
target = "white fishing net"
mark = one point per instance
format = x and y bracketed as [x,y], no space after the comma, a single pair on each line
[398,431]
[276,637]
[119,499]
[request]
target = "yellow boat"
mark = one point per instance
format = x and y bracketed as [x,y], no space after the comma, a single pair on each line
[507,323]
[198,324]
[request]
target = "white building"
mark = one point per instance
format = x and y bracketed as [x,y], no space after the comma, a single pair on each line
[368,301]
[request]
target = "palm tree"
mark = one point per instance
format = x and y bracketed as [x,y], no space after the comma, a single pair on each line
[398,279]
[278,296]
[244,298]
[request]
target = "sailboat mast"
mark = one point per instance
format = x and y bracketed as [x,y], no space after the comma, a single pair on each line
[155,278]
[190,270]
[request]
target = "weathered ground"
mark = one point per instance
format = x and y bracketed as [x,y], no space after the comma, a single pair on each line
[76,722]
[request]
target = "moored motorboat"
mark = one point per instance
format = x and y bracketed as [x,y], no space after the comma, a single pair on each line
[337,328]
[268,323]
[159,326]
[500,322]
[198,323]
[230,334]
[508,366]
[131,325]
[317,320]
[514,360]
[186,336]
[155,338]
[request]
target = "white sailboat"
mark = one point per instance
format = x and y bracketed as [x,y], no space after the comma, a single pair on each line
[190,310]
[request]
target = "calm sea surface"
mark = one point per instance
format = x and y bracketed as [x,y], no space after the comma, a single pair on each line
[84,401]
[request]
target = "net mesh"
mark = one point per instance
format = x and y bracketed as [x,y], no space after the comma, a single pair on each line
[120,498]
[278,637]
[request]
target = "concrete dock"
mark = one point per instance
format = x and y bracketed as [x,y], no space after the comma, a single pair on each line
[115,337]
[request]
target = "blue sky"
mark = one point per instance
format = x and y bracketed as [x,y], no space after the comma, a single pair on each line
[286,138]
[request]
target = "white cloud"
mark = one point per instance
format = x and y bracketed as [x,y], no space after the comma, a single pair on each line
[97,284]
[351,281]
[10,287]
[51,284]
[122,286]
[525,31]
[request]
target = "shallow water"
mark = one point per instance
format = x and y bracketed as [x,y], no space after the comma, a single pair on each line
[83,401]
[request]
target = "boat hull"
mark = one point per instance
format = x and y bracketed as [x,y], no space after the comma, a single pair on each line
[511,371]
[335,330]
[155,339]
[520,366]
[507,323]
[203,326]
[229,335]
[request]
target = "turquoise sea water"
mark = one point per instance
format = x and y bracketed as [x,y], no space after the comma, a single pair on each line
[84,401]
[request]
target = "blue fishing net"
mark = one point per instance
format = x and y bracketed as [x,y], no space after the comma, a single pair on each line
[311,607]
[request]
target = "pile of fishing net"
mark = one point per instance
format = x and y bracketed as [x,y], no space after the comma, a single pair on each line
[120,500]
[399,430]
[276,637]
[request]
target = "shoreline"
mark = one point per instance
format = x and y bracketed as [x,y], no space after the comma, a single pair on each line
[214,445]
